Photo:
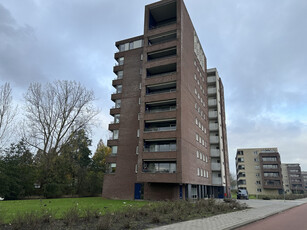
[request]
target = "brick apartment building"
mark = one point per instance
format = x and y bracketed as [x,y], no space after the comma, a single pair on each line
[293,178]
[259,171]
[169,133]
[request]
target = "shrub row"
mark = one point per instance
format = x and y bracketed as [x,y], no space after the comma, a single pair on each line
[153,214]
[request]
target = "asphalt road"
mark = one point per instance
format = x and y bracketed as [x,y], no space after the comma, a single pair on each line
[293,219]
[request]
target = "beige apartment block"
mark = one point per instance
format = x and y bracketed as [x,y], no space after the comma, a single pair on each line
[259,171]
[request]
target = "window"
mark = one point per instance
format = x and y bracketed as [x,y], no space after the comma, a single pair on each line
[207,174]
[240,159]
[111,168]
[201,172]
[141,57]
[115,134]
[195,105]
[119,88]
[256,159]
[195,76]
[201,156]
[136,168]
[138,133]
[117,103]
[258,189]
[195,92]
[203,142]
[258,182]
[257,174]
[196,137]
[140,86]
[197,154]
[120,74]
[139,100]
[131,45]
[139,116]
[206,159]
[121,61]
[114,150]
[196,121]
[116,118]
[137,150]
[197,171]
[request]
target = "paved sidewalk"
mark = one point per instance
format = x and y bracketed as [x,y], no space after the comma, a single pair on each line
[259,209]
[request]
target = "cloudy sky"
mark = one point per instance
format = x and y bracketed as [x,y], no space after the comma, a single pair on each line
[258,46]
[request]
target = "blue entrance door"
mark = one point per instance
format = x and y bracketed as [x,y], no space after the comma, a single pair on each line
[137,191]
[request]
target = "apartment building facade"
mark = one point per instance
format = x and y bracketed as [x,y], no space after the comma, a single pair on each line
[259,171]
[304,177]
[293,178]
[162,145]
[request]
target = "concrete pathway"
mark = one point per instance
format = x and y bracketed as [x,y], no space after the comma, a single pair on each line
[259,209]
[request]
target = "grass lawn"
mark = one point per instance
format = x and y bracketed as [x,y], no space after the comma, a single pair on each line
[12,208]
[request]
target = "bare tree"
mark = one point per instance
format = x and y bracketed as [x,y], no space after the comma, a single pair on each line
[7,113]
[55,111]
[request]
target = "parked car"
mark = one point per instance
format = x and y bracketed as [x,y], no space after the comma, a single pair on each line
[242,194]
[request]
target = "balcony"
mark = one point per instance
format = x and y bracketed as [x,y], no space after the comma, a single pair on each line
[161,88]
[214,152]
[162,15]
[162,70]
[214,139]
[213,126]
[211,79]
[159,145]
[212,102]
[212,114]
[159,126]
[169,52]
[215,166]
[159,167]
[162,38]
[272,184]
[211,90]
[216,180]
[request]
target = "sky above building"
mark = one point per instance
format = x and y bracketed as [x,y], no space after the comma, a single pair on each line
[259,48]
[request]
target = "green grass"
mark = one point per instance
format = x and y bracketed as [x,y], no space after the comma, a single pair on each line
[12,208]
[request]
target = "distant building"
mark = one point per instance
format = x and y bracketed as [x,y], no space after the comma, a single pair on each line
[169,133]
[293,180]
[304,177]
[259,171]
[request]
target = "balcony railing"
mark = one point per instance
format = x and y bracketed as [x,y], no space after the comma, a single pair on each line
[212,102]
[212,90]
[160,129]
[211,79]
[160,148]
[214,152]
[214,139]
[216,180]
[212,114]
[215,166]
[213,126]
[161,109]
[161,91]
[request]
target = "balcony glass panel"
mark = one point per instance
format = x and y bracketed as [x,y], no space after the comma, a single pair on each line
[160,146]
[159,167]
[161,88]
